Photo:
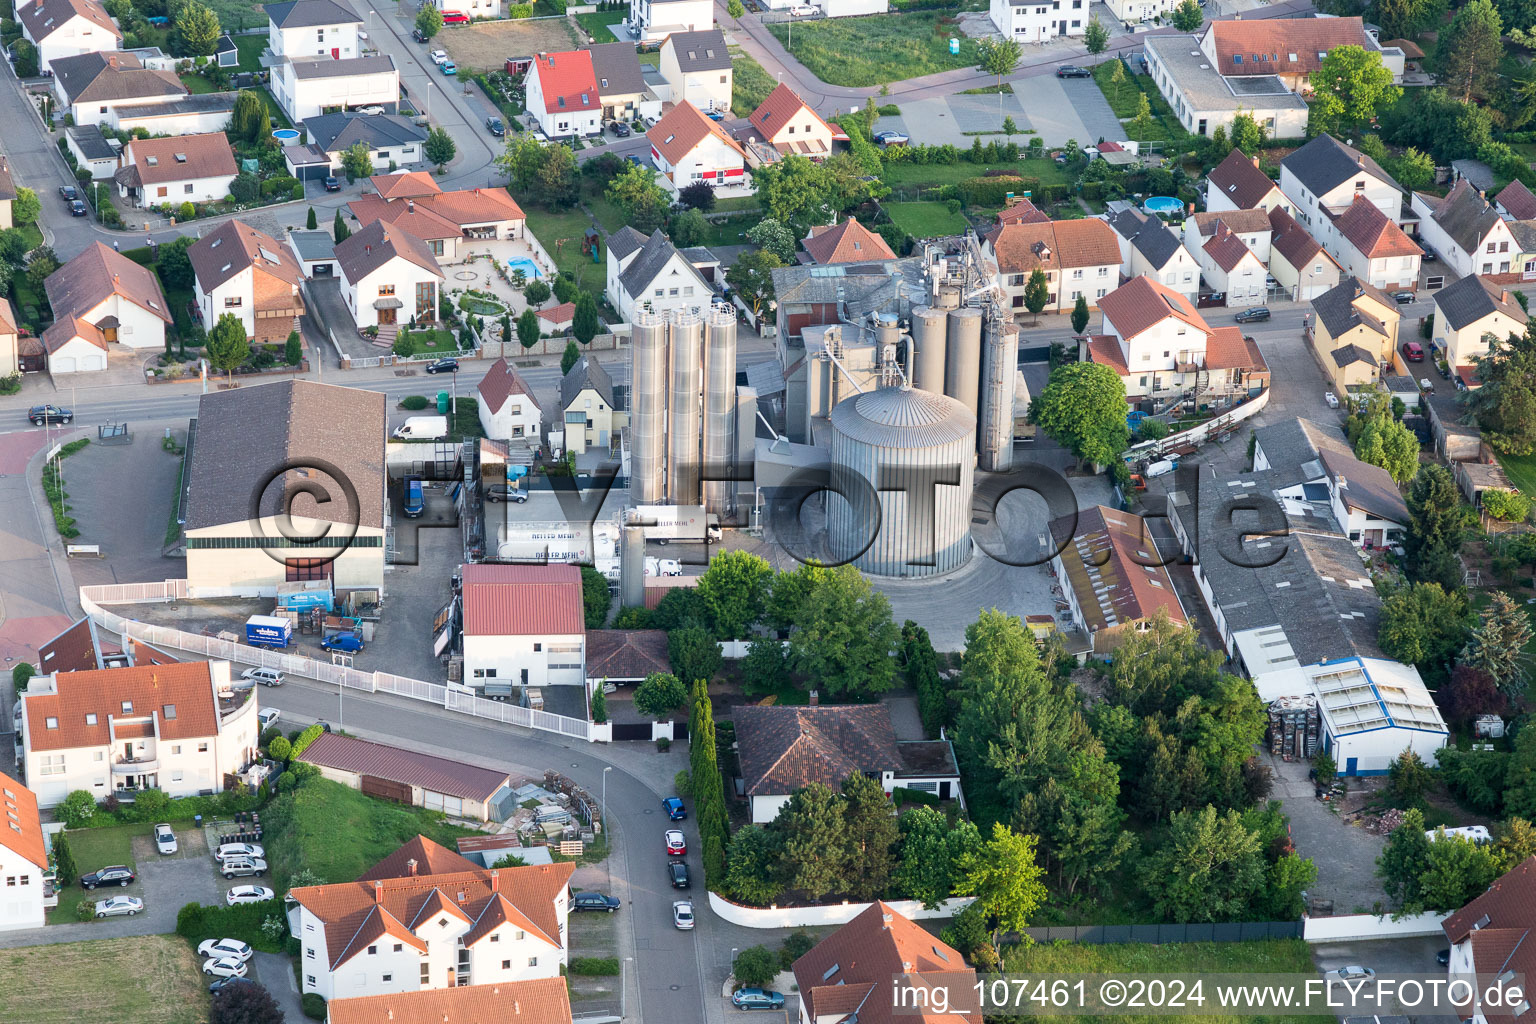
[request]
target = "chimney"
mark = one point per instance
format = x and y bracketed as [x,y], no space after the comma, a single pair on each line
[1255,161]
[495,881]
[378,892]
[885,921]
[367,248]
[410,867]
[410,206]
[389,1014]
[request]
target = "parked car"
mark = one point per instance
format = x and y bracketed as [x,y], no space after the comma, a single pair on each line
[220,948]
[1403,298]
[225,967]
[677,871]
[891,137]
[117,874]
[248,894]
[677,843]
[802,11]
[1211,300]
[449,68]
[443,366]
[1073,71]
[1354,973]
[418,35]
[1258,314]
[714,115]
[332,183]
[118,905]
[503,492]
[68,193]
[439,56]
[621,129]
[239,867]
[455,18]
[757,999]
[1413,352]
[238,850]
[78,209]
[1443,957]
[218,983]
[594,901]
[1429,257]
[345,643]
[495,126]
[40,414]
[266,717]
[264,676]
[165,839]
[682,915]
[674,808]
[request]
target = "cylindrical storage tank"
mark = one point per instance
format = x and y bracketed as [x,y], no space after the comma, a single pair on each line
[907,459]
[684,401]
[994,426]
[632,563]
[720,407]
[949,298]
[928,327]
[648,402]
[962,357]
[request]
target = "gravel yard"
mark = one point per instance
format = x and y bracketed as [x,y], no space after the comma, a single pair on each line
[486,46]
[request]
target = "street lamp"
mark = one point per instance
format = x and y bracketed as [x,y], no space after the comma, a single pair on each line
[603,807]
[623,985]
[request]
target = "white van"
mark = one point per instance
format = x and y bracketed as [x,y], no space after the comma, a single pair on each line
[422,426]
[1474,833]
[264,676]
[1161,468]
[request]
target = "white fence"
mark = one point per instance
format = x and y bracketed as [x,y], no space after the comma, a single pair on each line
[448,696]
[1368,926]
[810,917]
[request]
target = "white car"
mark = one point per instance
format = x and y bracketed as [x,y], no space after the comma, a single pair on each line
[225,967]
[266,717]
[238,850]
[129,905]
[1354,973]
[370,111]
[802,11]
[165,839]
[682,915]
[248,894]
[224,949]
[439,56]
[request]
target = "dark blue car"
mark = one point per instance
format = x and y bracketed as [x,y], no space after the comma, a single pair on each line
[346,643]
[674,808]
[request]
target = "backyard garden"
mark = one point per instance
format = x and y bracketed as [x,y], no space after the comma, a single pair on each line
[878,48]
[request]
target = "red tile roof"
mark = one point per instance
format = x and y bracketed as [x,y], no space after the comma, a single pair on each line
[523,600]
[180,158]
[1104,349]
[626,653]
[409,215]
[1292,241]
[537,1001]
[567,81]
[1235,220]
[1022,211]
[96,275]
[1518,201]
[1509,902]
[1277,46]
[69,327]
[783,749]
[20,831]
[774,113]
[1115,547]
[561,314]
[73,650]
[847,242]
[1228,249]
[1239,179]
[1022,246]
[431,859]
[681,129]
[1372,232]
[411,185]
[500,383]
[1142,303]
[437,774]
[1227,349]
[149,690]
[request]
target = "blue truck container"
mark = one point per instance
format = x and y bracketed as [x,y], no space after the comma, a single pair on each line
[414,503]
[303,600]
[268,631]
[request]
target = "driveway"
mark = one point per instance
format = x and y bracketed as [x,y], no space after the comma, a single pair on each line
[275,974]
[1084,99]
[1345,855]
[164,885]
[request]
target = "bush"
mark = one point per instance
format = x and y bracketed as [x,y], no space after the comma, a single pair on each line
[986,191]
[197,921]
[77,810]
[314,1005]
[796,945]
[280,749]
[306,737]
[21,675]
[414,403]
[755,967]
[85,910]
[1509,506]
[901,795]
[594,966]
[682,784]
[244,188]
[273,186]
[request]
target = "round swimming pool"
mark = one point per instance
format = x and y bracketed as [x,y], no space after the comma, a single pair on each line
[1166,206]
[286,135]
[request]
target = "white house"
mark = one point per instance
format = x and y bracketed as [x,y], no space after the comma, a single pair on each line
[653,20]
[313,28]
[1325,177]
[183,169]
[1488,937]
[1078,258]
[388,276]
[688,147]
[508,409]
[426,918]
[649,273]
[1148,246]
[1288,50]
[1296,261]
[1471,316]
[23,858]
[74,346]
[1203,99]
[1229,266]
[1133,12]
[105,288]
[1034,21]
[176,727]
[587,409]
[523,626]
[1304,455]
[391,139]
[307,86]
[560,91]
[68,28]
[1371,247]
[248,273]
[1152,336]
[697,66]
[1237,184]
[92,151]
[1251,226]
[787,124]
[1467,232]
[93,86]
[444,221]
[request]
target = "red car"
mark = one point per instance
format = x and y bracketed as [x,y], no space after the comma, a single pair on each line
[455,18]
[677,845]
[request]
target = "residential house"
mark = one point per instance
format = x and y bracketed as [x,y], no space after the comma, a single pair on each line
[625,655]
[1153,337]
[425,918]
[74,346]
[68,28]
[1113,578]
[1305,456]
[307,424]
[1516,202]
[1472,316]
[786,124]
[1232,268]
[508,409]
[784,749]
[10,341]
[1370,246]
[847,241]
[523,626]
[306,87]
[1133,12]
[1490,936]
[561,93]
[848,974]
[457,789]
[250,274]
[620,80]
[388,276]
[1237,184]
[445,221]
[1353,333]
[297,29]
[1324,178]
[1078,258]
[92,151]
[178,728]
[1288,49]
[23,858]
[158,173]
[1203,99]
[1250,225]
[1467,232]
[651,21]
[105,288]
[390,138]
[1035,21]
[688,147]
[1023,211]
[587,410]
[649,273]
[1148,246]
[533,1001]
[92,87]
[1296,261]
[697,67]
[1234,367]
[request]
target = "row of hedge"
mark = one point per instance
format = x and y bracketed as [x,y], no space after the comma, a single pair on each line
[306,737]
[251,923]
[79,810]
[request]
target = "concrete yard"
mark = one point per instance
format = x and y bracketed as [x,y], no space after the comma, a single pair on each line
[1344,854]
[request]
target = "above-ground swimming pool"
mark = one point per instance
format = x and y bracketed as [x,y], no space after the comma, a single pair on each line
[1164,205]
[529,268]
[286,135]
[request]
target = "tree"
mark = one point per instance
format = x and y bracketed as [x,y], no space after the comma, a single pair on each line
[280,749]
[293,349]
[228,347]
[1247,134]
[773,236]
[1516,842]
[1508,372]
[558,183]
[872,834]
[922,668]
[698,195]
[1141,122]
[310,222]
[813,836]
[999,58]
[734,588]
[1188,17]
[1403,19]
[1117,77]
[521,161]
[506,329]
[1392,446]
[25,207]
[735,9]
[1404,861]
[42,265]
[1497,645]
[689,228]
[1210,868]
[599,706]
[64,867]
[244,1004]
[339,229]
[585,323]
[1096,36]
[439,148]
[751,277]
[750,871]
[197,30]
[1472,692]
[429,20]
[755,966]
[694,654]
[512,860]
[1004,878]
[1408,778]
[844,634]
[1458,870]
[245,120]
[766,668]
[1289,879]
[570,358]
[1350,88]
[21,675]
[356,161]
[636,193]
[77,809]
[536,292]
[595,597]
[1079,315]
[931,850]
[660,694]
[1507,506]
[1036,293]
[26,59]
[795,192]
[1082,407]
[1414,170]
[1437,519]
[528,328]
[1439,124]
[1422,624]
[1470,51]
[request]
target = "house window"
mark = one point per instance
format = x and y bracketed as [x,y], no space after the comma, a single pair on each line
[309,979]
[100,756]
[309,954]
[1077,275]
[187,189]
[1487,268]
[388,977]
[373,950]
[506,965]
[537,648]
[202,748]
[169,711]
[437,246]
[175,776]
[722,79]
[1503,247]
[233,301]
[1360,184]
[399,947]
[176,749]
[162,192]
[496,937]
[426,974]
[127,707]
[533,961]
[386,290]
[521,936]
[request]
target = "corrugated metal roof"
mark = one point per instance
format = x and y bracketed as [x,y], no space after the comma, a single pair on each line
[438,774]
[523,600]
[903,418]
[766,378]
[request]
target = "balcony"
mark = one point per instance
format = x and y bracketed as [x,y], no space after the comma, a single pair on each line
[137,766]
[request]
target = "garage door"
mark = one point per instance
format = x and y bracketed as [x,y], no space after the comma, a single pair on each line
[442,802]
[385,789]
[93,363]
[64,364]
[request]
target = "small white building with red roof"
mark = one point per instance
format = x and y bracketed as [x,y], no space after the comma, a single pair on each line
[786,124]
[1153,337]
[688,147]
[561,93]
[508,409]
[23,857]
[524,625]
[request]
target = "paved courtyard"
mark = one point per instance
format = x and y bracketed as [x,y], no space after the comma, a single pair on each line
[1058,110]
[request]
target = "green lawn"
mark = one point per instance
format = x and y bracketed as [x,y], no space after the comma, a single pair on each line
[197,84]
[879,48]
[608,215]
[425,342]
[570,227]
[1522,472]
[279,119]
[595,24]
[750,84]
[926,220]
[150,979]
[1122,100]
[911,175]
[99,847]
[250,48]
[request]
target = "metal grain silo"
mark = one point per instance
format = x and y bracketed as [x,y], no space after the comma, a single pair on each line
[948,298]
[720,406]
[962,366]
[916,451]
[928,327]
[648,402]
[684,399]
[632,561]
[994,427]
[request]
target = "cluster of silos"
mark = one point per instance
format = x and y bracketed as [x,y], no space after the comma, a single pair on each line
[968,355]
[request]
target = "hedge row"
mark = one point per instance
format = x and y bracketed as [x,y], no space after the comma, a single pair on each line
[196,922]
[306,737]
